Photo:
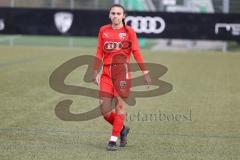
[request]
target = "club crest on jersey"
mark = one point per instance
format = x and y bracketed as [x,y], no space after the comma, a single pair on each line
[122,36]
[123,84]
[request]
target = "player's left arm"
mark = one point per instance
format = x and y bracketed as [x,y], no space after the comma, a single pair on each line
[139,58]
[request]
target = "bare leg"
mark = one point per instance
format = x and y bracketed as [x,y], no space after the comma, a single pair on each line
[119,108]
[106,106]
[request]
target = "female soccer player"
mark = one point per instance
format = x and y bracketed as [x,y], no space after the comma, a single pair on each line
[116,42]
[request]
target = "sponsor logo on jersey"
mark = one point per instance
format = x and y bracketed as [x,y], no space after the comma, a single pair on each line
[63,21]
[110,46]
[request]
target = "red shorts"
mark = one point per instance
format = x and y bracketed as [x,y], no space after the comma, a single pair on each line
[115,81]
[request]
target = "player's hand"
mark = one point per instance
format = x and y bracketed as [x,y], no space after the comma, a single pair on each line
[96,78]
[147,79]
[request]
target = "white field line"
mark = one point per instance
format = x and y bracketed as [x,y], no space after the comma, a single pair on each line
[9,38]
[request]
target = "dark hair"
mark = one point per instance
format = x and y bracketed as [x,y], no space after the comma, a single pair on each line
[124,12]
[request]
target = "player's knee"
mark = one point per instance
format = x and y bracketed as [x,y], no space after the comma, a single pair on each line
[105,106]
[120,109]
[106,115]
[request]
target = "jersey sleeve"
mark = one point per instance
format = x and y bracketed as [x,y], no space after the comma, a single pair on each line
[136,51]
[99,53]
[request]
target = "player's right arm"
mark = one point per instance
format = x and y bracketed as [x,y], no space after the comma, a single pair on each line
[98,58]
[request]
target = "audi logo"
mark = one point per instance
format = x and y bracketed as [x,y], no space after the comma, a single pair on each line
[109,46]
[146,24]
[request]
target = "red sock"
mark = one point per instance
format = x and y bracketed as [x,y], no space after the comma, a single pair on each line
[117,124]
[110,118]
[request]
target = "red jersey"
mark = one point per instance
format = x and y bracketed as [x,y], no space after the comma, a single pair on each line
[112,42]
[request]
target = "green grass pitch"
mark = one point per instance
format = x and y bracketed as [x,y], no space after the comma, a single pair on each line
[201,112]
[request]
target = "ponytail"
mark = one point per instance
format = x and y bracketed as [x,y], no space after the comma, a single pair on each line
[124,25]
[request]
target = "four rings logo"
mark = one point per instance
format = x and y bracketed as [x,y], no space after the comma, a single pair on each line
[63,21]
[109,46]
[146,24]
[2,25]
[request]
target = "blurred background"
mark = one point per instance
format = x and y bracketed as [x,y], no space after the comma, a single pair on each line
[216,6]
[195,43]
[159,6]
